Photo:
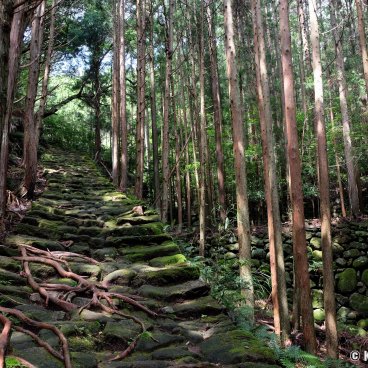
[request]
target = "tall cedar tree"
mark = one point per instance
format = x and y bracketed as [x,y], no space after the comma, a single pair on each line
[301,272]
[244,238]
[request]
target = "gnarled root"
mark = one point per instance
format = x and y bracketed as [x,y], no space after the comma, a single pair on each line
[4,338]
[42,325]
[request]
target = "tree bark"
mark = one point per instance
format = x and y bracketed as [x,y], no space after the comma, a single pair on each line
[141,103]
[122,100]
[324,188]
[166,122]
[239,162]
[115,113]
[203,141]
[298,225]
[156,171]
[46,73]
[279,296]
[7,81]
[348,145]
[30,124]
[217,112]
[362,42]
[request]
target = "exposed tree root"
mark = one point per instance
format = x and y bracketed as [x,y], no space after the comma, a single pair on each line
[42,325]
[62,296]
[4,338]
[40,342]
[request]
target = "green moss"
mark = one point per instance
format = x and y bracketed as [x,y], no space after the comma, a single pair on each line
[365,277]
[360,262]
[143,253]
[359,303]
[81,343]
[63,281]
[167,260]
[319,314]
[169,275]
[235,347]
[347,280]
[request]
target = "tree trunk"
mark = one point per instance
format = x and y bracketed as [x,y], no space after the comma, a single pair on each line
[279,296]
[141,103]
[8,74]
[362,41]
[166,122]
[239,162]
[115,113]
[30,123]
[299,241]
[203,141]
[303,42]
[217,112]
[324,188]
[348,146]
[122,100]
[156,170]
[46,73]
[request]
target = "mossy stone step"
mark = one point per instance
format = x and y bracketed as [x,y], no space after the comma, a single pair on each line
[187,290]
[144,253]
[165,276]
[138,239]
[44,244]
[236,347]
[197,307]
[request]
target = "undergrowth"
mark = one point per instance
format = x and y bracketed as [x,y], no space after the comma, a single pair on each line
[223,276]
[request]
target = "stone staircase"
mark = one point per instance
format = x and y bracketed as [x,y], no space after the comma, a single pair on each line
[81,212]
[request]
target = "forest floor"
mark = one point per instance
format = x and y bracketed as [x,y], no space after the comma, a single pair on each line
[88,279]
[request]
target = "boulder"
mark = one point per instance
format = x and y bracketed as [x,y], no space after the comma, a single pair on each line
[347,281]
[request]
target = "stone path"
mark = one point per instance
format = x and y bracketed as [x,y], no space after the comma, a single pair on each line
[81,206]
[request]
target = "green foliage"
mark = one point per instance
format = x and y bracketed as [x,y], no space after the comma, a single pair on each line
[293,355]
[11,362]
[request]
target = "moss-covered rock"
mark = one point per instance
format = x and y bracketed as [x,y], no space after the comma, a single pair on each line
[352,253]
[125,330]
[85,269]
[143,253]
[137,220]
[319,314]
[83,359]
[315,243]
[317,255]
[121,276]
[167,260]
[44,244]
[363,323]
[105,253]
[197,307]
[172,353]
[359,303]
[166,276]
[10,264]
[158,340]
[365,277]
[39,357]
[153,228]
[82,343]
[347,280]
[190,289]
[360,262]
[236,347]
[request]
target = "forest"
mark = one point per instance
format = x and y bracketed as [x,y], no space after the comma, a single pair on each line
[237,129]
